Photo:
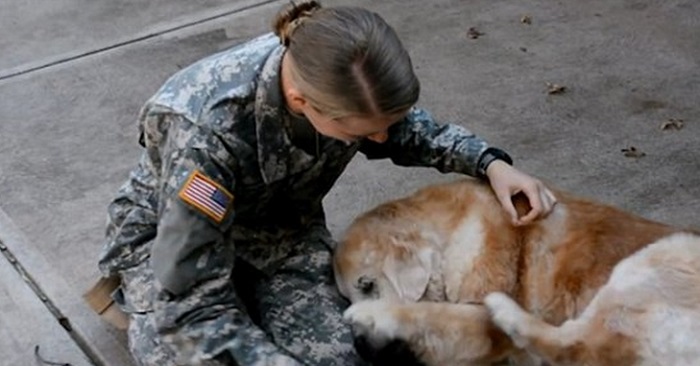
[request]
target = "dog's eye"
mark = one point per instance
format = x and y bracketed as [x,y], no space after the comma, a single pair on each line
[365,285]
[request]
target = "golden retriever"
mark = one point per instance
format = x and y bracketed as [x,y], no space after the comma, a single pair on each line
[441,277]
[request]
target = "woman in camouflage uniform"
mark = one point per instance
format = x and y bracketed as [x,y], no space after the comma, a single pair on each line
[219,235]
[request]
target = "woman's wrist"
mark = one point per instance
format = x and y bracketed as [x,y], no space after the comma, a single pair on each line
[488,158]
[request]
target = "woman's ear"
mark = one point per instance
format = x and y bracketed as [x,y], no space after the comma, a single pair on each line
[295,100]
[293,97]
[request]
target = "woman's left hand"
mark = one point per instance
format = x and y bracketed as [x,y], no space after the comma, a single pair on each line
[506,181]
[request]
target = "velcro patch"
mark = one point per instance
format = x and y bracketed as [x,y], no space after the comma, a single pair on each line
[206,196]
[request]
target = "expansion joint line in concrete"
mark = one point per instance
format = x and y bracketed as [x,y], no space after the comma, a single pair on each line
[133,40]
[53,309]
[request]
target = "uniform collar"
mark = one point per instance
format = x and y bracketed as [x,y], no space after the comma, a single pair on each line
[277,157]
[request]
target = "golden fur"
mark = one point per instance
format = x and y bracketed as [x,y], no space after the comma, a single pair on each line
[420,268]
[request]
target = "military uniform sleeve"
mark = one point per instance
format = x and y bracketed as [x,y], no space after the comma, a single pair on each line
[197,311]
[418,140]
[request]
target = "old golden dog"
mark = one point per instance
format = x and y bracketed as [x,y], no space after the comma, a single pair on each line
[441,277]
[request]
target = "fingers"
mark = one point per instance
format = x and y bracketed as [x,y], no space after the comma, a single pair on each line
[542,201]
[537,202]
[550,199]
[507,204]
[507,181]
[547,201]
[532,215]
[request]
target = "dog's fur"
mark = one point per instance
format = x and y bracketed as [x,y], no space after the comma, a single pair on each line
[444,273]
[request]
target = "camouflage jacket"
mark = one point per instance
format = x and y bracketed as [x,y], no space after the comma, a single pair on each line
[220,125]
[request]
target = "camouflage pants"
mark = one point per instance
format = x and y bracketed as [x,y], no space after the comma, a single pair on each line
[288,290]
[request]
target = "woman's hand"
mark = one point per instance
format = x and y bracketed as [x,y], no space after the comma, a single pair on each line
[507,181]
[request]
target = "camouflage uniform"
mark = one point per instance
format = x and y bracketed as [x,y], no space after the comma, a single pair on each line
[192,298]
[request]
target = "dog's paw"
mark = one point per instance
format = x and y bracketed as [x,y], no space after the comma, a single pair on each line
[508,316]
[378,334]
[372,318]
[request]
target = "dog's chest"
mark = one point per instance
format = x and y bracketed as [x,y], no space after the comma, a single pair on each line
[537,294]
[463,249]
[541,273]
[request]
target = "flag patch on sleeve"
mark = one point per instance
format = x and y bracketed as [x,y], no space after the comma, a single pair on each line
[206,196]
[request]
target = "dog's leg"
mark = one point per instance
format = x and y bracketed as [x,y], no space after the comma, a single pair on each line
[527,331]
[431,333]
[587,340]
[557,345]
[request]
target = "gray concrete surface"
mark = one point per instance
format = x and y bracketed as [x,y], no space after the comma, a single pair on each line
[43,33]
[25,324]
[77,74]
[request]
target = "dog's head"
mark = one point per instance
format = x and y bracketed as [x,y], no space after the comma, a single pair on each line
[383,255]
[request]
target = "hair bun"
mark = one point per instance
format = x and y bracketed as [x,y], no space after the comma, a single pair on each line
[289,18]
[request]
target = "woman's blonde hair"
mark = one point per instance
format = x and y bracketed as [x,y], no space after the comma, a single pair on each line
[347,60]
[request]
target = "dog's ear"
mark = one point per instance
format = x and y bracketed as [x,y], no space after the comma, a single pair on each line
[410,274]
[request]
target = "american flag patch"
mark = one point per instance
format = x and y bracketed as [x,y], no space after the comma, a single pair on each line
[206,196]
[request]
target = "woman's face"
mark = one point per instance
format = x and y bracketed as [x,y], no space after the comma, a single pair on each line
[352,128]
[349,129]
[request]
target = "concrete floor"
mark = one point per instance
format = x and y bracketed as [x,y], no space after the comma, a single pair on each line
[73,76]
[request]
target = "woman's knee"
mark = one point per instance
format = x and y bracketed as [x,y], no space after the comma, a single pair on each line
[145,344]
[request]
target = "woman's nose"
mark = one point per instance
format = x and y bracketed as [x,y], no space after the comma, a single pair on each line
[378,137]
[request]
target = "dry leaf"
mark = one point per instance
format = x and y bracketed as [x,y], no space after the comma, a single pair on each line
[632,152]
[672,123]
[555,88]
[473,33]
[526,19]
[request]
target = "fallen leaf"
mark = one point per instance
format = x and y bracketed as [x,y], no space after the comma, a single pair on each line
[526,19]
[473,33]
[632,152]
[672,123]
[555,88]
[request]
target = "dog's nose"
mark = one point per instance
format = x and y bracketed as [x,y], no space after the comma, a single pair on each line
[393,352]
